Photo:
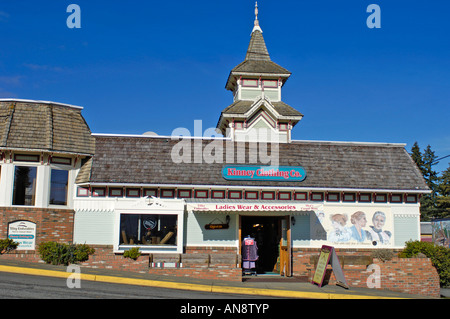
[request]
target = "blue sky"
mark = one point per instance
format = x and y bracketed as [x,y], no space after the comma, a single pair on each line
[138,66]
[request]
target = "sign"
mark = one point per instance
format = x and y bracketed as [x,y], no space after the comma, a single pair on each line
[264,173]
[24,233]
[251,207]
[219,226]
[328,256]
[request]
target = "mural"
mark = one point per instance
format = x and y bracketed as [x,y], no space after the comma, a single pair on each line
[353,226]
[441,232]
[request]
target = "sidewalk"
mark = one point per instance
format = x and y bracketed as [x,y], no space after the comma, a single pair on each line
[279,289]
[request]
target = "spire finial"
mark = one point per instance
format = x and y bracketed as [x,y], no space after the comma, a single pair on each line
[256,27]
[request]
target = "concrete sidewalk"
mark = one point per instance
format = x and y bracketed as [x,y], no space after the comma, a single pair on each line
[279,289]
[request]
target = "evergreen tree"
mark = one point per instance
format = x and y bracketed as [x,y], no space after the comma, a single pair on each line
[443,201]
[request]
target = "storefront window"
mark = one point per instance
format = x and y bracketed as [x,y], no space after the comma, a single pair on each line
[58,187]
[148,229]
[24,185]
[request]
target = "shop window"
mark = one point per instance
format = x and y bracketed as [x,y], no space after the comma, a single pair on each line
[396,198]
[98,192]
[251,195]
[148,229]
[380,198]
[133,192]
[234,195]
[317,197]
[150,192]
[59,181]
[200,193]
[268,195]
[411,198]
[365,198]
[167,193]
[333,197]
[116,192]
[184,193]
[300,196]
[24,191]
[284,195]
[218,194]
[349,197]
[82,192]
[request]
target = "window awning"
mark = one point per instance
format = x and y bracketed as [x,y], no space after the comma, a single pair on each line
[230,205]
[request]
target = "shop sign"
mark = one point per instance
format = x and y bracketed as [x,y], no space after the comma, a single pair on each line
[24,233]
[264,173]
[251,207]
[328,256]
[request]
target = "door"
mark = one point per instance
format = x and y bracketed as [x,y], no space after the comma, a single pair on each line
[285,247]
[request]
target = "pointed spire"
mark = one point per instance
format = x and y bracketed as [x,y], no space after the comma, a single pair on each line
[256,27]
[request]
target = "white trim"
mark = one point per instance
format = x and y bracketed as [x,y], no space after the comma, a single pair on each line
[173,137]
[42,102]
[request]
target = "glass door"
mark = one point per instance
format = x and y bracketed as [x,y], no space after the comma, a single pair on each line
[285,247]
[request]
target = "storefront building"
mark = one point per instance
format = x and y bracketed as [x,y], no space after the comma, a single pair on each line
[189,202]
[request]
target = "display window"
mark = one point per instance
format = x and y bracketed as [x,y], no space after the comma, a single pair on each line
[148,229]
[24,192]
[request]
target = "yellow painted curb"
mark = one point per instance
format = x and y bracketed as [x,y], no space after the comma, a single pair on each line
[187,286]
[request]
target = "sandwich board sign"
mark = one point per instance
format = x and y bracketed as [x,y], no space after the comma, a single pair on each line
[328,256]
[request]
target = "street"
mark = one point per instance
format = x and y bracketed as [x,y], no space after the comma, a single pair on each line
[19,286]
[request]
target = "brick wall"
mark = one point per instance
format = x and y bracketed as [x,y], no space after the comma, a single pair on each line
[51,224]
[408,275]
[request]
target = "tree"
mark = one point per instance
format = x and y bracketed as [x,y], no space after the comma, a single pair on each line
[425,162]
[443,201]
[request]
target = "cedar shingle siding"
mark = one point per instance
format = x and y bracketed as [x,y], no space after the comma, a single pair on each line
[44,127]
[147,160]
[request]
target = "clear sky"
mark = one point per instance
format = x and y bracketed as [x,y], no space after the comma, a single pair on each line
[138,66]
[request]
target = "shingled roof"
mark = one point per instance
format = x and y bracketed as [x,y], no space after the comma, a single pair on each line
[147,160]
[243,106]
[44,126]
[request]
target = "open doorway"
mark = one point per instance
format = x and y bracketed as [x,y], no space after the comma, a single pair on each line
[266,230]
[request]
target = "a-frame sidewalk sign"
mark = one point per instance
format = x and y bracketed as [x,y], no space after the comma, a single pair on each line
[328,256]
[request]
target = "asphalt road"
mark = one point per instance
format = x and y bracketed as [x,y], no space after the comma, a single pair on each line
[19,286]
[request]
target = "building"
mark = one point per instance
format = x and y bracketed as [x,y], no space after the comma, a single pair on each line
[183,198]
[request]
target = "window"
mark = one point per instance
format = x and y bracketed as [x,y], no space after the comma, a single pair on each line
[317,196]
[83,192]
[116,192]
[133,192]
[396,198]
[284,195]
[251,195]
[268,195]
[300,196]
[98,192]
[349,197]
[167,193]
[60,160]
[333,197]
[365,198]
[411,198]
[150,192]
[234,194]
[201,193]
[250,82]
[218,194]
[184,193]
[380,198]
[26,158]
[24,185]
[59,181]
[148,229]
[270,83]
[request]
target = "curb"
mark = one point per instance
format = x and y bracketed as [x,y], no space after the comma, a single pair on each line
[187,286]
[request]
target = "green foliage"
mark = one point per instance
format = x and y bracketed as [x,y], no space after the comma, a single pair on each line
[64,254]
[383,254]
[439,255]
[132,253]
[6,245]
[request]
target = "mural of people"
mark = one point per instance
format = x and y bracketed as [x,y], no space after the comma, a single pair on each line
[359,221]
[375,232]
[340,232]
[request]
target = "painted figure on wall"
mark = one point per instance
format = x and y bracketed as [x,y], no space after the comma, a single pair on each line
[340,232]
[376,233]
[359,221]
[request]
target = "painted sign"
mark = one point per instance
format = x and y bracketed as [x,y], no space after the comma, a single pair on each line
[251,207]
[264,173]
[24,233]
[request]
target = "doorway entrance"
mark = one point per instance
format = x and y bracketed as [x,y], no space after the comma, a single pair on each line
[271,236]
